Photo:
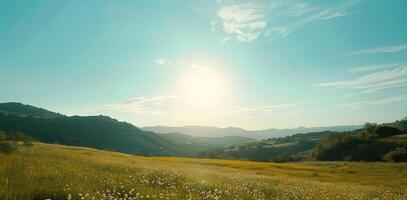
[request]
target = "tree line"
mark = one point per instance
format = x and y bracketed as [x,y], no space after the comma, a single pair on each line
[367,144]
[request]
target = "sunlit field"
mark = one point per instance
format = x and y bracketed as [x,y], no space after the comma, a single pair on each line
[46,171]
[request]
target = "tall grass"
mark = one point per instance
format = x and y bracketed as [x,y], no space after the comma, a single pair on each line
[59,172]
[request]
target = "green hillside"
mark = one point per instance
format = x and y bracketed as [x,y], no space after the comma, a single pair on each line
[97,131]
[57,172]
[371,143]
[18,109]
[102,132]
[195,145]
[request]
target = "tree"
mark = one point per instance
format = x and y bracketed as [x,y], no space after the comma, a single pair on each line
[5,146]
[369,130]
[398,155]
[20,136]
[386,131]
[282,158]
[3,136]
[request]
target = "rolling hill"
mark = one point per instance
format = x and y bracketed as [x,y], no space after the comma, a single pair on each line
[371,143]
[102,132]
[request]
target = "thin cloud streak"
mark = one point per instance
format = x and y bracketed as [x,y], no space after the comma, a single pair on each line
[143,105]
[335,15]
[262,109]
[195,66]
[341,10]
[385,101]
[157,98]
[299,9]
[380,50]
[376,67]
[309,15]
[372,82]
[148,106]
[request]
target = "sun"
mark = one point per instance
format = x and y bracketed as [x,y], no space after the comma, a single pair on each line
[203,88]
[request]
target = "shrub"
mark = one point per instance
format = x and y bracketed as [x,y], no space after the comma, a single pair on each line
[3,136]
[7,147]
[21,137]
[282,158]
[386,131]
[397,155]
[369,131]
[27,143]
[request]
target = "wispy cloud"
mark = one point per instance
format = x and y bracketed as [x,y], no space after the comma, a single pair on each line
[334,15]
[191,65]
[376,67]
[384,101]
[299,9]
[143,105]
[340,11]
[263,109]
[373,82]
[274,19]
[153,99]
[277,32]
[308,14]
[380,50]
[213,25]
[224,40]
[163,105]
[243,20]
[161,61]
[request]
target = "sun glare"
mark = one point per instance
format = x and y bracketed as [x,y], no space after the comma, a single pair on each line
[203,88]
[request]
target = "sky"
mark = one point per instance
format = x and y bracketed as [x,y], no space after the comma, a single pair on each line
[226,63]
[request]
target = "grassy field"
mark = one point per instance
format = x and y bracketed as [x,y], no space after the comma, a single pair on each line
[47,171]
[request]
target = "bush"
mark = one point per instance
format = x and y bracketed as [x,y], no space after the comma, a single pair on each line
[28,143]
[7,147]
[386,131]
[398,155]
[3,136]
[369,131]
[21,137]
[282,158]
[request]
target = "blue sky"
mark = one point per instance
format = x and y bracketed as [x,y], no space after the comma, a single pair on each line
[250,64]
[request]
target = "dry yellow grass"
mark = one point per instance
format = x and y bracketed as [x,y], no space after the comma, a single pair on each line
[61,172]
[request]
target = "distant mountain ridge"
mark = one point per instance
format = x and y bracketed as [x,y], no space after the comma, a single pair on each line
[208,131]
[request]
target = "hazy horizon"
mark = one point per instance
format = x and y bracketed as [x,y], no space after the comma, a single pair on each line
[249,64]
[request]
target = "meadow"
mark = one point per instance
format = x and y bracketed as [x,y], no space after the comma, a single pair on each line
[48,171]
